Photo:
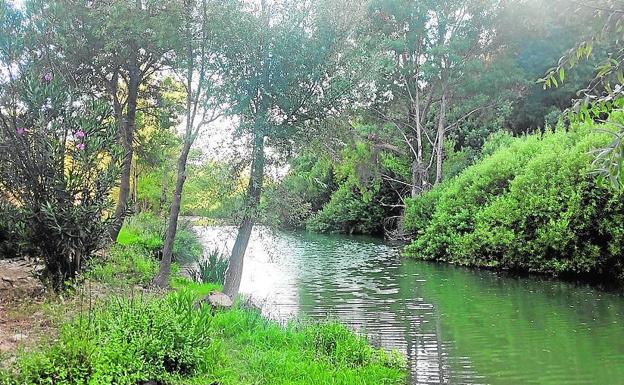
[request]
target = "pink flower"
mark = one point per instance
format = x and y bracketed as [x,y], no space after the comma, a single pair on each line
[20,131]
[47,77]
[80,146]
[80,134]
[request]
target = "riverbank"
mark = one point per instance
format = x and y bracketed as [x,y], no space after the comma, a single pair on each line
[533,205]
[113,328]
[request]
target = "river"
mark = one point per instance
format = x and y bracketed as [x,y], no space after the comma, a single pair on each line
[454,325]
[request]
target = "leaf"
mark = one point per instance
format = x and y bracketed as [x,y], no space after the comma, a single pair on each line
[562,74]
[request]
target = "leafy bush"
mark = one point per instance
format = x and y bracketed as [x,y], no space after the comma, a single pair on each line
[211,269]
[348,212]
[14,234]
[532,205]
[128,341]
[59,163]
[308,185]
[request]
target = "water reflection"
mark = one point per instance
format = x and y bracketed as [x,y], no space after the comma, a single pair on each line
[454,325]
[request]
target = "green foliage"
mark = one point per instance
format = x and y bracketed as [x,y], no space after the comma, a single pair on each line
[124,265]
[144,229]
[211,191]
[211,269]
[171,340]
[531,205]
[14,234]
[348,212]
[341,348]
[303,191]
[303,353]
[344,195]
[199,290]
[127,341]
[59,162]
[148,230]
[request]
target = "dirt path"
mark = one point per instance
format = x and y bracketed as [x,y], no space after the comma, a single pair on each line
[21,316]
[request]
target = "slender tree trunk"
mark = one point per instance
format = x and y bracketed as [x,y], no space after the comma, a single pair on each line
[162,279]
[163,195]
[440,138]
[419,177]
[234,272]
[133,187]
[127,132]
[192,103]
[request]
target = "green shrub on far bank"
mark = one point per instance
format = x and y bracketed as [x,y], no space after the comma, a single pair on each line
[348,212]
[532,205]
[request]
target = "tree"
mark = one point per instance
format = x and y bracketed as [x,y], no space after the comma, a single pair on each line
[287,65]
[605,92]
[112,49]
[202,108]
[58,164]
[433,46]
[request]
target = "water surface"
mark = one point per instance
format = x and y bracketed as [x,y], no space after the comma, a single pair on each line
[454,325]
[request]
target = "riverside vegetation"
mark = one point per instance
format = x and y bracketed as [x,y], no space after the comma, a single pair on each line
[478,132]
[141,335]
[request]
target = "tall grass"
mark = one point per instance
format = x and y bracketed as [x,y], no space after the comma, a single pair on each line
[170,340]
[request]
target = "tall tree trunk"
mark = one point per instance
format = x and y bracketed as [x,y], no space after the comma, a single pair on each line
[440,138]
[162,279]
[419,176]
[128,125]
[234,272]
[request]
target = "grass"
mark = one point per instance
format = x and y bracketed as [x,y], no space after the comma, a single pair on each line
[167,338]
[148,230]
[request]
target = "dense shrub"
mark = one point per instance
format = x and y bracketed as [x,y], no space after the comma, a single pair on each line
[532,205]
[58,162]
[348,212]
[308,185]
[128,342]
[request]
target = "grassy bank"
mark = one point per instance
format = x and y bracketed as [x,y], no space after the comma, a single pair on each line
[532,205]
[119,332]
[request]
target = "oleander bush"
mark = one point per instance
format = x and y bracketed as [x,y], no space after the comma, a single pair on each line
[59,161]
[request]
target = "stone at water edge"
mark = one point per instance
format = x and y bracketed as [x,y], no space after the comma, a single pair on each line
[217,299]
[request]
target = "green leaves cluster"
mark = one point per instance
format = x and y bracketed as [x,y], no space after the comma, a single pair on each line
[128,341]
[58,165]
[532,205]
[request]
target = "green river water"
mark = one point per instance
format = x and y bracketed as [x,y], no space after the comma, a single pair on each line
[454,325]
